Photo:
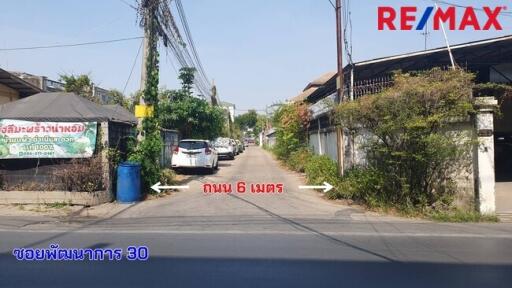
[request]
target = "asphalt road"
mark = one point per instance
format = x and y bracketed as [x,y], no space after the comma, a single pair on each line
[293,239]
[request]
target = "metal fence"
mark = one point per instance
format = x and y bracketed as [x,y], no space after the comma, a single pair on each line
[372,86]
[170,139]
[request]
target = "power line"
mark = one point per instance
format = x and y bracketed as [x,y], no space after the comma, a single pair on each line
[463,6]
[178,46]
[202,82]
[347,30]
[128,4]
[181,11]
[504,13]
[133,66]
[332,4]
[70,45]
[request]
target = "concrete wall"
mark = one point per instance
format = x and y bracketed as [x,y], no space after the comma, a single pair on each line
[355,147]
[323,142]
[485,179]
[270,141]
[7,94]
[37,81]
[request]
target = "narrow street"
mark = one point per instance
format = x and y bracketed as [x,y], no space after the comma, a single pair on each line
[293,239]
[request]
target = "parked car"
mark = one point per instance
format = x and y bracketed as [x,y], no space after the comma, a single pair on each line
[241,146]
[225,150]
[235,146]
[195,154]
[249,141]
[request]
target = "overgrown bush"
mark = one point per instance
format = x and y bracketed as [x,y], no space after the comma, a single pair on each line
[359,184]
[499,91]
[415,153]
[168,177]
[320,169]
[291,122]
[298,159]
[147,153]
[82,175]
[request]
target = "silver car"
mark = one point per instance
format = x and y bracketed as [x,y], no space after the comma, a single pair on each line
[225,149]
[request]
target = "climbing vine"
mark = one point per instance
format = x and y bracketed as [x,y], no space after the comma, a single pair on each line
[291,122]
[148,150]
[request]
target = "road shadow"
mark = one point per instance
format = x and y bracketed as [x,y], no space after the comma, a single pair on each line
[196,172]
[81,227]
[303,227]
[225,164]
[250,272]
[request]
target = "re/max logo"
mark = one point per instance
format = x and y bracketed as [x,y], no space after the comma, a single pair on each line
[469,19]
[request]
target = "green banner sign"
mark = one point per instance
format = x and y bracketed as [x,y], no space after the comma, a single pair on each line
[25,139]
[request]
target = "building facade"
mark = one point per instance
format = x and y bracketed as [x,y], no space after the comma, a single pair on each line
[489,184]
[13,88]
[48,85]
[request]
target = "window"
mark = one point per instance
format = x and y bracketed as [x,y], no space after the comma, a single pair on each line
[193,145]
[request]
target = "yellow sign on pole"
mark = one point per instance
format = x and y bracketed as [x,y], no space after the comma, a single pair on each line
[143,111]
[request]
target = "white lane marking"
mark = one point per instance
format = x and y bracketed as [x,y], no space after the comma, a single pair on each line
[267,232]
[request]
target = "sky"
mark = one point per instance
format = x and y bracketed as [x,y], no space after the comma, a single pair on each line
[257,52]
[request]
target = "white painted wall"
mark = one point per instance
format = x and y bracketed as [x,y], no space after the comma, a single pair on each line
[324,143]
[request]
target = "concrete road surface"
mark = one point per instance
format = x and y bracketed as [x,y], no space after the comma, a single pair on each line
[293,239]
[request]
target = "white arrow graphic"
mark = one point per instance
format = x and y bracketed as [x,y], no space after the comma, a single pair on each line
[158,187]
[326,187]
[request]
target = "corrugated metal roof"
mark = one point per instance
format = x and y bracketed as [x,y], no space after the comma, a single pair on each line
[435,50]
[472,55]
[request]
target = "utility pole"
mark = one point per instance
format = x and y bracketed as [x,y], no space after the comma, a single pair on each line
[339,41]
[340,83]
[144,73]
[214,94]
[426,34]
[144,70]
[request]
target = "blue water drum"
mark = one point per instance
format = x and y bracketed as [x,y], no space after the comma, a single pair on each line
[128,182]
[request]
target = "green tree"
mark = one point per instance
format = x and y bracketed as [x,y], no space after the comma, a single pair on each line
[79,84]
[117,97]
[291,122]
[134,100]
[261,124]
[187,79]
[247,120]
[192,116]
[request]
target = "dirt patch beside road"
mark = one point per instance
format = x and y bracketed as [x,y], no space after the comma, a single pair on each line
[52,210]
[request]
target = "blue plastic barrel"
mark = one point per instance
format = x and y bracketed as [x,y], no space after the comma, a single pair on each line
[128,182]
